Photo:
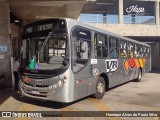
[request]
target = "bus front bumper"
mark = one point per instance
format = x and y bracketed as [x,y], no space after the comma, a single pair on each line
[44,93]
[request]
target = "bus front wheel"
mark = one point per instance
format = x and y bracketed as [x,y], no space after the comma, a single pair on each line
[100,88]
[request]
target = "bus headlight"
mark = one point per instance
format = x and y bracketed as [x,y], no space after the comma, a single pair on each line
[25,79]
[64,77]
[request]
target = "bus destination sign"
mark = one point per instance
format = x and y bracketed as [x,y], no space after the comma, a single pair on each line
[38,28]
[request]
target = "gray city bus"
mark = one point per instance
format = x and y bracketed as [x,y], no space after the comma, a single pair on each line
[64,60]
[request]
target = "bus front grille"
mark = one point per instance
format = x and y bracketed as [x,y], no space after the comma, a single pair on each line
[38,94]
[38,76]
[37,85]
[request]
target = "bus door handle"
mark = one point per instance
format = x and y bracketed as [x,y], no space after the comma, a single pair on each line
[90,69]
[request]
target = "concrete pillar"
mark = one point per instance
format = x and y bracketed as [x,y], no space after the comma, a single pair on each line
[133,19]
[105,18]
[120,11]
[5,45]
[157,15]
[157,12]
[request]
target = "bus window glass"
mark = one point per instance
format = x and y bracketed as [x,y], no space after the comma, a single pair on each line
[56,50]
[105,48]
[113,47]
[52,56]
[123,49]
[136,53]
[145,52]
[141,53]
[130,50]
[101,46]
[81,48]
[56,47]
[148,52]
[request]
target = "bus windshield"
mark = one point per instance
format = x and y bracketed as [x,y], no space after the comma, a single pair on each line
[45,53]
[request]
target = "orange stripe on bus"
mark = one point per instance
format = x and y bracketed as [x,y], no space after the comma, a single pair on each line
[126,65]
[137,63]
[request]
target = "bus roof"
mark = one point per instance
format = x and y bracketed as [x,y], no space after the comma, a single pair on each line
[73,22]
[78,23]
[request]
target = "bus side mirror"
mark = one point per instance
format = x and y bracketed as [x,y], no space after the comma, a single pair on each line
[65,62]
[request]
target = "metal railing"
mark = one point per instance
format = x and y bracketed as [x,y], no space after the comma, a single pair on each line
[114,19]
[99,19]
[139,20]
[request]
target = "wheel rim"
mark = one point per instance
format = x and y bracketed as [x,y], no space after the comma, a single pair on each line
[100,88]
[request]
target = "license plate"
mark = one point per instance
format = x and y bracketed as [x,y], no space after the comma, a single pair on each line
[35,92]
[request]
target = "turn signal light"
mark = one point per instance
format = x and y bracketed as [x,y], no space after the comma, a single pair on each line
[65,77]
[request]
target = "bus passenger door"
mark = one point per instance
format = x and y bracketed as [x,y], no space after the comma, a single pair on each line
[81,53]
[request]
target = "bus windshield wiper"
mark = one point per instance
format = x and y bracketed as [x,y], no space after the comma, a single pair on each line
[44,44]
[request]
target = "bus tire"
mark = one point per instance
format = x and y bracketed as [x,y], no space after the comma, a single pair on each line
[139,76]
[100,88]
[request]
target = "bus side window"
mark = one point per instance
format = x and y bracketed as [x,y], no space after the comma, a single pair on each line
[130,50]
[101,46]
[148,52]
[138,51]
[135,53]
[105,48]
[145,52]
[123,49]
[141,53]
[81,48]
[113,48]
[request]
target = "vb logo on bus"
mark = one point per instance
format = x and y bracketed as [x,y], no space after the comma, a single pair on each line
[111,65]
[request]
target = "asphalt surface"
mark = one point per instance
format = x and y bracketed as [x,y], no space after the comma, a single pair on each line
[131,96]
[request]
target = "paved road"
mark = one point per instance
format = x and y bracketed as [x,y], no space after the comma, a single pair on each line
[132,96]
